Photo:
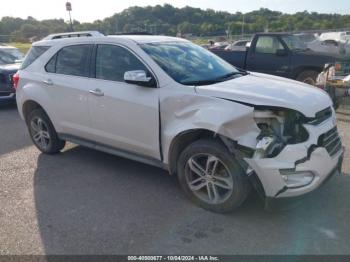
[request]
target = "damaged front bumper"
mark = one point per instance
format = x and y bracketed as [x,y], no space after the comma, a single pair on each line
[301,168]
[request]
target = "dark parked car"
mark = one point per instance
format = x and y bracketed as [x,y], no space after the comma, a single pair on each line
[10,60]
[279,54]
[239,45]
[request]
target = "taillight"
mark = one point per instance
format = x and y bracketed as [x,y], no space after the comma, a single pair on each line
[15,80]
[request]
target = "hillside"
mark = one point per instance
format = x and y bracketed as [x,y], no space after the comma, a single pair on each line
[169,20]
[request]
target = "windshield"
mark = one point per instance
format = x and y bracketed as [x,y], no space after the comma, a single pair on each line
[10,56]
[190,64]
[294,43]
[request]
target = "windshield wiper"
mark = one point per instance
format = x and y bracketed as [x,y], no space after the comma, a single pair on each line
[231,75]
[216,80]
[200,82]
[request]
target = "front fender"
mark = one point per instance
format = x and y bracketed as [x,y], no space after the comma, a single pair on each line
[180,113]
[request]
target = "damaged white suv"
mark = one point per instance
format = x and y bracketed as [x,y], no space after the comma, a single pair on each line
[170,103]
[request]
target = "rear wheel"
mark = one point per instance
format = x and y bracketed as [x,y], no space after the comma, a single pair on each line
[308,77]
[211,177]
[43,133]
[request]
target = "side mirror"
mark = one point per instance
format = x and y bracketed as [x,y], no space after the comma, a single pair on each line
[139,77]
[281,52]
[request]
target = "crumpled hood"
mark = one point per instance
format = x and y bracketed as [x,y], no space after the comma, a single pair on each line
[267,90]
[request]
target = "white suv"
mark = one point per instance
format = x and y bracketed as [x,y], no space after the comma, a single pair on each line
[170,103]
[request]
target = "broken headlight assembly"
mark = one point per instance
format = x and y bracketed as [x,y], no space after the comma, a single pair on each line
[279,127]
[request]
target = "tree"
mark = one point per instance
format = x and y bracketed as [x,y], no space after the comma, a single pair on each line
[169,20]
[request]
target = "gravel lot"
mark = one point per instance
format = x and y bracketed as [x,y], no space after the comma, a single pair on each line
[87,202]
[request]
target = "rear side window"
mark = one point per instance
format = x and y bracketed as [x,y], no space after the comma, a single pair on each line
[268,45]
[71,60]
[33,54]
[51,65]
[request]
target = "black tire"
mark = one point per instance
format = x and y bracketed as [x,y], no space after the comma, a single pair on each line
[53,144]
[308,77]
[240,185]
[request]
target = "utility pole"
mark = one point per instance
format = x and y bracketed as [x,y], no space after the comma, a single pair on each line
[243,26]
[69,9]
[228,32]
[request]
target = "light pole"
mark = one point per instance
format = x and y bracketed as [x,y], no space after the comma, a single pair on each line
[69,9]
[243,26]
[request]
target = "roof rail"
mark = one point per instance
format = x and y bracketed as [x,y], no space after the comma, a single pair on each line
[74,34]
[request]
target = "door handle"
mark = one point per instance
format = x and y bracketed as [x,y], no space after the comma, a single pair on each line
[96,92]
[48,82]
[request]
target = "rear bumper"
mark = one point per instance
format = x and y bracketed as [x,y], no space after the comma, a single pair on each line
[8,97]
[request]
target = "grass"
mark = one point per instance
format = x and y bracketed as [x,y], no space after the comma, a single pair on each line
[24,47]
[200,41]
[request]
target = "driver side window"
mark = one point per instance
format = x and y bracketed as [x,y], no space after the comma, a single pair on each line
[113,61]
[268,45]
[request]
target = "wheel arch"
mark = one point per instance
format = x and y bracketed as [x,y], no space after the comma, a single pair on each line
[301,69]
[185,138]
[29,106]
[182,140]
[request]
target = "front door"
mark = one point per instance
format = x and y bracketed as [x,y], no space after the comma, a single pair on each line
[124,116]
[269,57]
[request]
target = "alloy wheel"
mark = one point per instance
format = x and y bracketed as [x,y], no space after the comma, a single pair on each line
[208,178]
[40,133]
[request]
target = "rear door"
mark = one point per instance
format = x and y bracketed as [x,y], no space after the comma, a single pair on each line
[67,83]
[269,56]
[124,116]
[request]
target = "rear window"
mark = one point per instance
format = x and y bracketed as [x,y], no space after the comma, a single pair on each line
[10,56]
[33,54]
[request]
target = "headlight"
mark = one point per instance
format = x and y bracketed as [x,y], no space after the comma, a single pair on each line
[286,125]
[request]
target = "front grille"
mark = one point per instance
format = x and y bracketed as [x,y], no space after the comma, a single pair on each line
[331,141]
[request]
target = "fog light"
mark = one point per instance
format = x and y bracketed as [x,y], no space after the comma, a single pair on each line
[295,179]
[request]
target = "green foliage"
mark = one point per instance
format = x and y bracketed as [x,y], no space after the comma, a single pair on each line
[23,47]
[169,20]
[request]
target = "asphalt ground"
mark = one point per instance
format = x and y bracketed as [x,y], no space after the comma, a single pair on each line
[87,202]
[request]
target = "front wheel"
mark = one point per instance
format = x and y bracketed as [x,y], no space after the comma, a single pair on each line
[211,177]
[43,133]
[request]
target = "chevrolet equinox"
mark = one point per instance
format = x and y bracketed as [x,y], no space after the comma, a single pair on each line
[167,102]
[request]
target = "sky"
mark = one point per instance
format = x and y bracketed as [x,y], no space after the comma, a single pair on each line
[88,10]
